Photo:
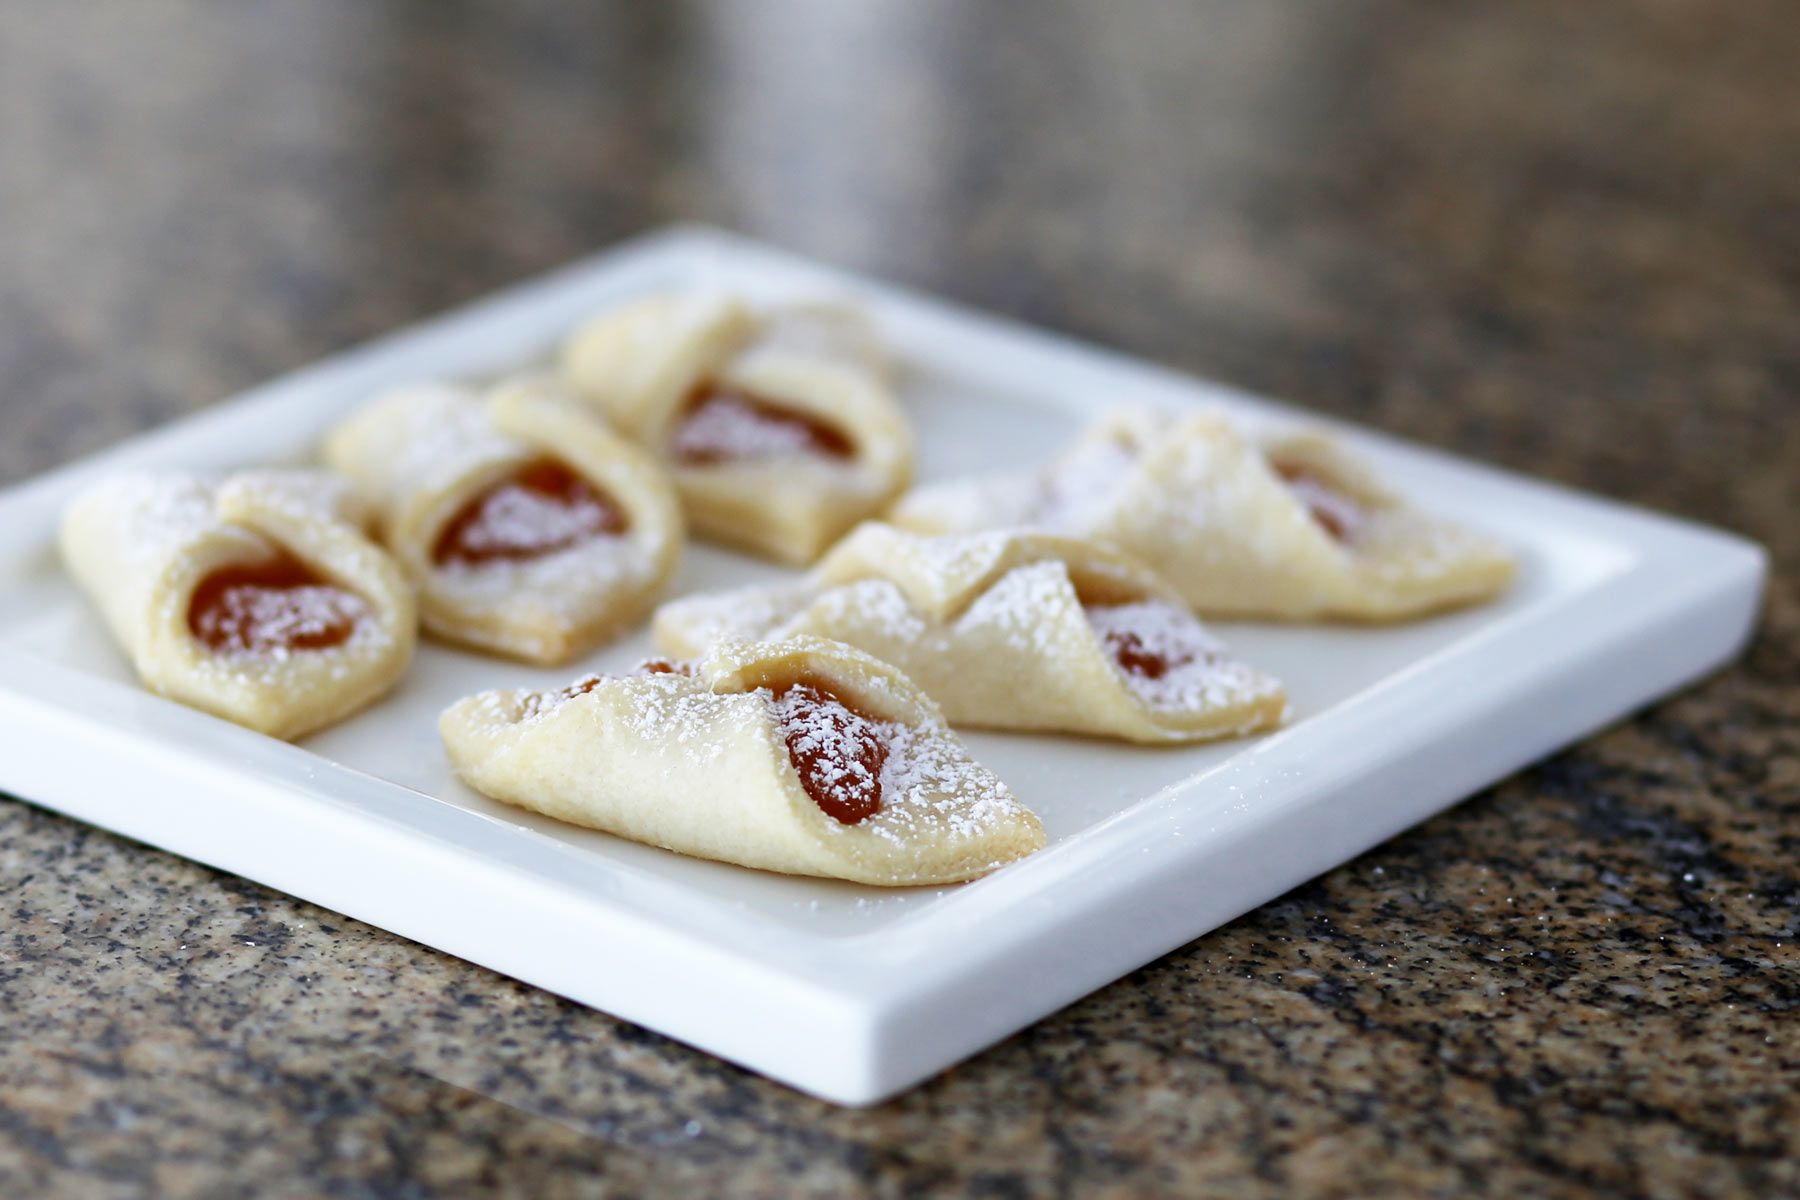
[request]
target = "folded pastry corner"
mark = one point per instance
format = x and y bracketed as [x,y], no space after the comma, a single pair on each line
[1288,526]
[1010,630]
[531,530]
[801,756]
[779,425]
[255,597]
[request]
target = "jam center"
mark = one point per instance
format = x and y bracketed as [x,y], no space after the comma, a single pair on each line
[837,751]
[724,424]
[1145,638]
[543,508]
[1336,513]
[281,605]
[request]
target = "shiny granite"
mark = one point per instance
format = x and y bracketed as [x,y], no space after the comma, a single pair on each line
[1558,237]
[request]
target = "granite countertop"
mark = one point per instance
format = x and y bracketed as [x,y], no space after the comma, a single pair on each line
[1557,237]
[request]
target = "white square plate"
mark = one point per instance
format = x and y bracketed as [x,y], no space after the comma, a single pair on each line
[854,993]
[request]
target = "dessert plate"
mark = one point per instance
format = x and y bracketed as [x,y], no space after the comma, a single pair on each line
[847,992]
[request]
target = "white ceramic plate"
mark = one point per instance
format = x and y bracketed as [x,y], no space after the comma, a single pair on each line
[855,993]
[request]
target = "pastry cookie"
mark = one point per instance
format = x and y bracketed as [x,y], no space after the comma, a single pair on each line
[801,756]
[1288,526]
[255,598]
[531,530]
[780,426]
[1008,630]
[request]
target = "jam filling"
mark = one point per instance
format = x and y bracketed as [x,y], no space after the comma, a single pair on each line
[580,687]
[837,751]
[1139,649]
[278,606]
[724,424]
[543,508]
[1335,512]
[650,666]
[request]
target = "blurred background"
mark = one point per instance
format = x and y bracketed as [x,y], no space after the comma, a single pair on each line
[1560,236]
[1564,237]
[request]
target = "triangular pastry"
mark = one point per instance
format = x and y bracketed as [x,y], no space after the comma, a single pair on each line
[801,756]
[1007,630]
[779,425]
[1288,526]
[531,530]
[255,597]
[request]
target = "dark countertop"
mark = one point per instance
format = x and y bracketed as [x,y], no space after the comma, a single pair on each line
[1558,237]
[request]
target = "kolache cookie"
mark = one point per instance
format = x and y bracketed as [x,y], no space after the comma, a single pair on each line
[255,597]
[779,425]
[531,530]
[801,756]
[1289,526]
[1007,630]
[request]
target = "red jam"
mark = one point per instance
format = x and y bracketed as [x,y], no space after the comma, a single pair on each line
[543,508]
[281,605]
[1135,657]
[587,683]
[1336,513]
[723,424]
[1149,639]
[1130,647]
[837,751]
[580,687]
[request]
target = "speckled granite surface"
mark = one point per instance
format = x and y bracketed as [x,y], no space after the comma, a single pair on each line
[1559,237]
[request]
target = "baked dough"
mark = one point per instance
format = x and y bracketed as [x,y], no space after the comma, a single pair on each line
[1287,526]
[1007,630]
[531,530]
[780,426]
[256,597]
[722,758]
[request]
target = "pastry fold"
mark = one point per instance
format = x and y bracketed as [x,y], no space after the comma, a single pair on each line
[750,756]
[1006,630]
[1287,527]
[538,575]
[255,597]
[779,426]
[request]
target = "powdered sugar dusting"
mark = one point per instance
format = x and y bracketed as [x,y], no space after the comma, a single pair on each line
[837,751]
[877,602]
[931,783]
[160,515]
[249,619]
[926,781]
[959,556]
[277,665]
[750,613]
[441,434]
[728,426]
[1078,489]
[1067,498]
[519,521]
[534,706]
[1013,607]
[666,707]
[1169,660]
[569,582]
